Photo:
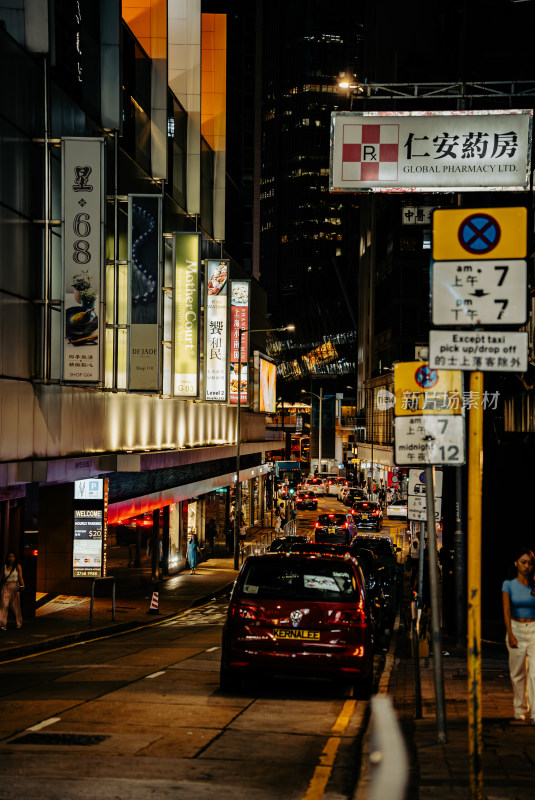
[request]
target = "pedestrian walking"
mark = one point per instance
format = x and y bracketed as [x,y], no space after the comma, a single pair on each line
[192,550]
[278,524]
[518,595]
[12,582]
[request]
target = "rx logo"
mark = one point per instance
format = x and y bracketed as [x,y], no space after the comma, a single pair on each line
[369,152]
[426,377]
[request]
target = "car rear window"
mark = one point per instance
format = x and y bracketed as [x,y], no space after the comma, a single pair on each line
[365,505]
[381,547]
[302,580]
[331,519]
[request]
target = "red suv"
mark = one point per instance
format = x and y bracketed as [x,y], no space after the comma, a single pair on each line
[293,613]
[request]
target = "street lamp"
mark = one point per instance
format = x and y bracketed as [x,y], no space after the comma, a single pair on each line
[237,513]
[320,398]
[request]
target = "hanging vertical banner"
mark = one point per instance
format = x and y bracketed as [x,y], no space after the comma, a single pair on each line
[216,316]
[144,257]
[186,372]
[239,319]
[83,219]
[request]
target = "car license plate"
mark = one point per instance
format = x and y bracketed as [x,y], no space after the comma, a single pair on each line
[364,516]
[332,530]
[293,633]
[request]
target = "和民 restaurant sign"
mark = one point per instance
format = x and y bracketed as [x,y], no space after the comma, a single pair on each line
[439,151]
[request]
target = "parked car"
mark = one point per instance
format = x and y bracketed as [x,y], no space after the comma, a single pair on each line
[333,528]
[343,488]
[306,500]
[285,543]
[315,485]
[293,614]
[386,554]
[368,514]
[352,495]
[397,509]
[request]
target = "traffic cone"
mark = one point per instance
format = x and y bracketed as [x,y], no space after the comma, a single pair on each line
[153,609]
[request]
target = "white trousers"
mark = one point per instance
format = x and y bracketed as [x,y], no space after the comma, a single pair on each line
[522,668]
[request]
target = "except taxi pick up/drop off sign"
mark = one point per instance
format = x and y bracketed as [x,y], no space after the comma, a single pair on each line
[429,422]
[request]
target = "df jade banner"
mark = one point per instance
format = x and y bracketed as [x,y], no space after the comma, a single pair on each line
[187,284]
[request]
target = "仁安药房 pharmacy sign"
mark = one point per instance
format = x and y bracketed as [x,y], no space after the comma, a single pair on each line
[449,151]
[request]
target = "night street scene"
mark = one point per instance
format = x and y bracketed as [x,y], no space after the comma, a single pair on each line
[267,400]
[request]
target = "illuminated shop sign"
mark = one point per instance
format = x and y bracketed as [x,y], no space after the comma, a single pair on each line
[144,255]
[216,327]
[239,319]
[90,528]
[438,151]
[83,217]
[186,372]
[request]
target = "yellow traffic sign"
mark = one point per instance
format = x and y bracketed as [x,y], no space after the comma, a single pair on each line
[421,389]
[479,233]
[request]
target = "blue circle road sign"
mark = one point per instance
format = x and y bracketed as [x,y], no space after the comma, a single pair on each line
[426,377]
[479,233]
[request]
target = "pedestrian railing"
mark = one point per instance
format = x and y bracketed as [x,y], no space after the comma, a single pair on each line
[389,765]
[99,580]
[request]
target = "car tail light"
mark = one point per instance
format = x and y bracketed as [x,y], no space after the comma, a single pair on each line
[247,612]
[375,513]
[346,524]
[354,616]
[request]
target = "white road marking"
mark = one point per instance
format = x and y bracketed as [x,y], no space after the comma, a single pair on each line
[44,724]
[156,674]
[211,649]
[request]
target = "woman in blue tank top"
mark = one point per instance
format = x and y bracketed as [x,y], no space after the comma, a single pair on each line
[518,595]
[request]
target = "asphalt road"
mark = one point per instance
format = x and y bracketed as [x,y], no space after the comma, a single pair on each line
[141,715]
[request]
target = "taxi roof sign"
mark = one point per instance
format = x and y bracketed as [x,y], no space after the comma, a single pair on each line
[422,389]
[479,233]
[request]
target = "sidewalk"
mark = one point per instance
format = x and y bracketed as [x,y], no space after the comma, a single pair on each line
[440,771]
[64,619]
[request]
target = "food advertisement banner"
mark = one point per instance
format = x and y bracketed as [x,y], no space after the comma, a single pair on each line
[216,314]
[83,219]
[239,319]
[144,256]
[187,284]
[90,528]
[431,151]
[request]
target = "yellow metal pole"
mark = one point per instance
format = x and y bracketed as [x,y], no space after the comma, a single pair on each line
[475,476]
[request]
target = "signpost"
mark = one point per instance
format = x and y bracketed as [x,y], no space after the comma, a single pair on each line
[429,430]
[479,277]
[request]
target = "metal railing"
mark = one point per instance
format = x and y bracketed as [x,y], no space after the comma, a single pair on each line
[108,578]
[389,764]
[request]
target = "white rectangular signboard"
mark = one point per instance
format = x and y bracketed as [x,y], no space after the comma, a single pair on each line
[417,482]
[438,151]
[428,439]
[417,508]
[479,292]
[494,351]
